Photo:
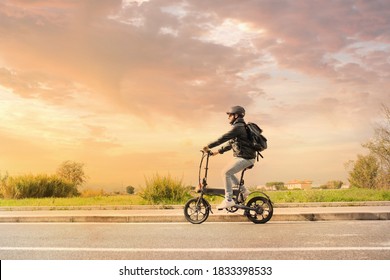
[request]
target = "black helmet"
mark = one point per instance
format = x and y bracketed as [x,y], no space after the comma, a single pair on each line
[237,110]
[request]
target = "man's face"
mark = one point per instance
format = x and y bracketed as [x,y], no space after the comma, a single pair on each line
[231,118]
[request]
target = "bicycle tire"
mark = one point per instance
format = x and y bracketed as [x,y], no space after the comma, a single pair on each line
[264,210]
[196,210]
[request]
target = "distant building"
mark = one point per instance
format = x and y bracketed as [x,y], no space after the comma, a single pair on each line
[299,184]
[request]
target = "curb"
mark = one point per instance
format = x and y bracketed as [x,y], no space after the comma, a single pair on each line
[180,218]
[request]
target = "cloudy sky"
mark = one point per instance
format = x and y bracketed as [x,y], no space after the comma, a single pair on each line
[131,88]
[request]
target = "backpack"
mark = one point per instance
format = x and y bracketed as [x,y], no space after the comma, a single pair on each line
[256,137]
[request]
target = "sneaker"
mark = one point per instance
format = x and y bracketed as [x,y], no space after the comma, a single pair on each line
[226,204]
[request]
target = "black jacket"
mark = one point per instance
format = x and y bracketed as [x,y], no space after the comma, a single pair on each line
[238,141]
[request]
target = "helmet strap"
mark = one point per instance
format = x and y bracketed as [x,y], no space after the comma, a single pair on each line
[236,116]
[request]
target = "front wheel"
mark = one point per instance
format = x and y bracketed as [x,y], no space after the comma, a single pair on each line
[262,210]
[196,210]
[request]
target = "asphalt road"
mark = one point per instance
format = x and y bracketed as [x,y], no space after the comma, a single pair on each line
[351,240]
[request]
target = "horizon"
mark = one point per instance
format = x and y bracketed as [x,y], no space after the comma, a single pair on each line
[134,88]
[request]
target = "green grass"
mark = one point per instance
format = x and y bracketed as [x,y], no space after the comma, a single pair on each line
[297,196]
[343,195]
[76,201]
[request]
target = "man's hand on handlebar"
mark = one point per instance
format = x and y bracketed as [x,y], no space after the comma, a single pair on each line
[207,150]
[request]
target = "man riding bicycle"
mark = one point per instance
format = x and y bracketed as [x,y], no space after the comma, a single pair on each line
[243,152]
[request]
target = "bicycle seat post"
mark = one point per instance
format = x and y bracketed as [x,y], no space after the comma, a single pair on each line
[242,176]
[241,179]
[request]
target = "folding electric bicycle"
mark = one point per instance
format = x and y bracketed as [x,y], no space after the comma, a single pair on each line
[258,209]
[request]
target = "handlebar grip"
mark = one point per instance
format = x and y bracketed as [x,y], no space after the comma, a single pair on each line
[208,152]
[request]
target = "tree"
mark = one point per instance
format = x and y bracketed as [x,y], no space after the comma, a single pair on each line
[373,170]
[73,172]
[379,147]
[364,172]
[278,185]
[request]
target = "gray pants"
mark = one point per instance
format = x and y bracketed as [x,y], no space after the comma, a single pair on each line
[229,179]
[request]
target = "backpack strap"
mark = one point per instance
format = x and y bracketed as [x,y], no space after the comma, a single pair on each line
[257,155]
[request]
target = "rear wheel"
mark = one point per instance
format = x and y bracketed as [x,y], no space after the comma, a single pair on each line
[262,210]
[196,210]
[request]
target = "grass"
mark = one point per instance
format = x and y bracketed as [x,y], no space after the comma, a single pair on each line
[39,186]
[76,201]
[297,196]
[343,195]
[165,190]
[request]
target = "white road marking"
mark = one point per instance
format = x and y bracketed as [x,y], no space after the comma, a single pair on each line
[168,250]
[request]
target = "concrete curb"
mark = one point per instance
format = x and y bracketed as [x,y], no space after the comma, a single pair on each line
[177,219]
[180,218]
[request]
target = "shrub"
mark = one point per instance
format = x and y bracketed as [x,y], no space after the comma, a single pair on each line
[6,191]
[37,186]
[92,193]
[130,189]
[164,190]
[335,184]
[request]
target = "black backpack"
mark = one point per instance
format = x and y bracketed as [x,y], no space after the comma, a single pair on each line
[256,137]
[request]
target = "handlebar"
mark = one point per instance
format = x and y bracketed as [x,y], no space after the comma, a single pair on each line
[208,152]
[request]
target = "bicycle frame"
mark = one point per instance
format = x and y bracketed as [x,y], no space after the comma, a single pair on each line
[203,182]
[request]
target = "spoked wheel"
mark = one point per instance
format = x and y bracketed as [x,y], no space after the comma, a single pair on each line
[262,212]
[196,210]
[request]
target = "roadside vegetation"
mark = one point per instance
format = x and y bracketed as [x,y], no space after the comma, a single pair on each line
[165,190]
[372,170]
[293,196]
[334,195]
[65,183]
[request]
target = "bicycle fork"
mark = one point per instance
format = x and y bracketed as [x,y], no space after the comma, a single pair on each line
[208,205]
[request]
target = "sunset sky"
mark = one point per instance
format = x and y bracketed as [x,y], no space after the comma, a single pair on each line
[131,88]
